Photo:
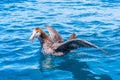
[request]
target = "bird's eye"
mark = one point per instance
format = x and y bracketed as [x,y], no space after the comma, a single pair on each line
[37,32]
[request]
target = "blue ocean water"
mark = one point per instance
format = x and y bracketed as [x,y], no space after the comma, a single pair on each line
[95,21]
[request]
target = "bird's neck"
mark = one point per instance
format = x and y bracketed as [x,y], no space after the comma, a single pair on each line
[44,37]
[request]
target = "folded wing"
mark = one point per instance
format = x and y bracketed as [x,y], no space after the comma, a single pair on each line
[75,44]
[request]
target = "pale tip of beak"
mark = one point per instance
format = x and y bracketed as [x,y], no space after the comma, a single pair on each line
[31,40]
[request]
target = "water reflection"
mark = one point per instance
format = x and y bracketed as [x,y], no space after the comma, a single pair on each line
[46,62]
[79,70]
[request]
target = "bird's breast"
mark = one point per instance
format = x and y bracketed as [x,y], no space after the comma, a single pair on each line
[47,48]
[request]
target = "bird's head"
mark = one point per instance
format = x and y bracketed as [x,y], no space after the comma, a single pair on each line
[37,32]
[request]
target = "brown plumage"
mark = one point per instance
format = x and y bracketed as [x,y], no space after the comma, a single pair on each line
[73,36]
[54,45]
[43,34]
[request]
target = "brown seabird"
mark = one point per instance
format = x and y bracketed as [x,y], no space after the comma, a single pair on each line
[54,44]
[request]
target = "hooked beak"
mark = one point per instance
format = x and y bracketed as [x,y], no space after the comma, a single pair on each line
[33,36]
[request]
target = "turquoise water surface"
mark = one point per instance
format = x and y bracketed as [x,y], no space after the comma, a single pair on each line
[97,21]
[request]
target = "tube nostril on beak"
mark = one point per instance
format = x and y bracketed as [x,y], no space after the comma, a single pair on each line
[32,37]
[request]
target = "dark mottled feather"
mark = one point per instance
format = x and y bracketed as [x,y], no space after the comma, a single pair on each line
[72,36]
[54,35]
[75,44]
